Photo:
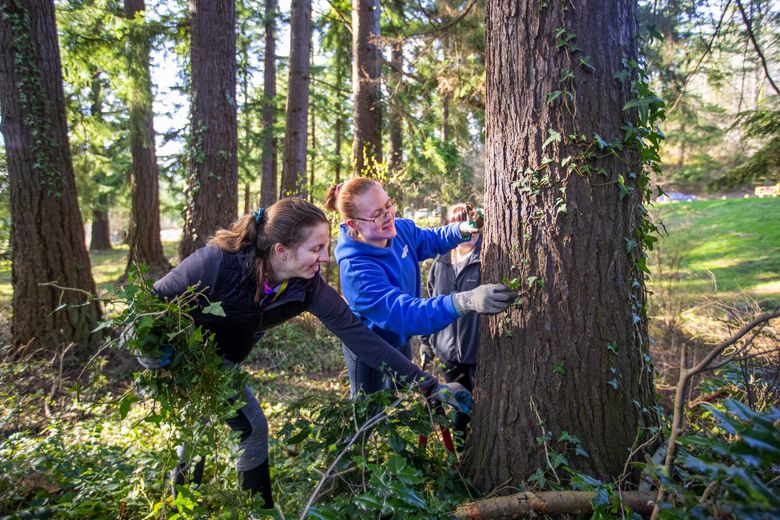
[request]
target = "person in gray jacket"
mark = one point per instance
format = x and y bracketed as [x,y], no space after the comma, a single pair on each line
[456,345]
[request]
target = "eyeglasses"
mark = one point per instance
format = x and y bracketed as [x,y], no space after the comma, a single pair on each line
[382,217]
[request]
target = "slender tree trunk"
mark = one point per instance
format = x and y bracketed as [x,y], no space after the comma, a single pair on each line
[213,184]
[144,233]
[297,114]
[576,360]
[366,77]
[247,198]
[101,230]
[313,129]
[47,235]
[268,189]
[445,117]
[394,114]
[247,174]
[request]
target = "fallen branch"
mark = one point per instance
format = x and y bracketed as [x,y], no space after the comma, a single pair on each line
[547,502]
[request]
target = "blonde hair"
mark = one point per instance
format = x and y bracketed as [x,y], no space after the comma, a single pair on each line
[341,197]
[285,222]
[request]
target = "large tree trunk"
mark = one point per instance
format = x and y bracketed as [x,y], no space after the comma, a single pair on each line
[47,234]
[366,70]
[297,114]
[213,183]
[394,115]
[144,233]
[576,360]
[268,190]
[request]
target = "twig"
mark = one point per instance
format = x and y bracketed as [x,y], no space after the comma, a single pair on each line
[680,398]
[752,37]
[373,421]
[701,58]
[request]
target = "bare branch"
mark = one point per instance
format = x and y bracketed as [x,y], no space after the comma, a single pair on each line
[752,37]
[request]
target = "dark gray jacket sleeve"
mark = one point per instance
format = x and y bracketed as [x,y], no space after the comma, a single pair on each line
[200,268]
[333,312]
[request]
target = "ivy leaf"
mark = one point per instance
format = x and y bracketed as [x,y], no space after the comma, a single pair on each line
[644,106]
[102,325]
[560,368]
[552,96]
[215,309]
[600,141]
[554,137]
[612,347]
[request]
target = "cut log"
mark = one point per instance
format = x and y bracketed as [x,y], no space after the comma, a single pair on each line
[548,502]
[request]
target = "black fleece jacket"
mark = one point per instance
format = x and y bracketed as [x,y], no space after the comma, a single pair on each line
[228,278]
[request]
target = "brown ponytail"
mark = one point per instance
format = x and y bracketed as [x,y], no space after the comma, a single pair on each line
[459,212]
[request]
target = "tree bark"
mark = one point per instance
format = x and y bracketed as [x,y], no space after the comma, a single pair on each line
[313,129]
[366,77]
[101,230]
[394,114]
[268,189]
[212,191]
[297,113]
[144,230]
[577,357]
[47,234]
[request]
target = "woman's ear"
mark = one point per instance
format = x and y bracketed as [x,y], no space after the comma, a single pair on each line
[351,224]
[280,251]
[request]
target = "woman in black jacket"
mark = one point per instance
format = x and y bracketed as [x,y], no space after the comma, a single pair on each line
[456,345]
[265,270]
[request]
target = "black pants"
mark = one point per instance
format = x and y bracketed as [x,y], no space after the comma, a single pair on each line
[465,375]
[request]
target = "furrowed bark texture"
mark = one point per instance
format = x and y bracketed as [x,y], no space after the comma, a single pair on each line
[213,183]
[144,233]
[47,235]
[366,71]
[268,189]
[557,363]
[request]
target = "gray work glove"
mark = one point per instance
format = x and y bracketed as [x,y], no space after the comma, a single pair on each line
[485,299]
[453,394]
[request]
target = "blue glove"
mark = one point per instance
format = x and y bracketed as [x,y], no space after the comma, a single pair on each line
[157,362]
[454,394]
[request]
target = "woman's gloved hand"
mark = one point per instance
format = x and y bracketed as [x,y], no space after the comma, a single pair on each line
[485,299]
[157,362]
[473,225]
[453,394]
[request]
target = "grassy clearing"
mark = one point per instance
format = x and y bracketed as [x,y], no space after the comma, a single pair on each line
[727,249]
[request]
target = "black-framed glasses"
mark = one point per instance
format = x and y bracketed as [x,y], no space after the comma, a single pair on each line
[384,216]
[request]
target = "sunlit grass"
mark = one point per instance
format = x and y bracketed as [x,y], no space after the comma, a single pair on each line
[726,248]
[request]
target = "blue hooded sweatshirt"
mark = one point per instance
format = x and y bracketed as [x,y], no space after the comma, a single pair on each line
[382,284]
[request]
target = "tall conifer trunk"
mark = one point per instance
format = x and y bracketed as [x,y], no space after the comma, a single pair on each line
[144,233]
[47,235]
[213,178]
[576,362]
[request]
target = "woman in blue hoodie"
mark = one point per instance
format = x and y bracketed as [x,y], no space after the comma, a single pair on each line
[379,262]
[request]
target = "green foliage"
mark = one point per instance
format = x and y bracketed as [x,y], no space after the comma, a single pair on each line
[385,472]
[731,466]
[197,390]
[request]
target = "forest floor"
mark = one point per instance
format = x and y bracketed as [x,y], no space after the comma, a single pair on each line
[719,258]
